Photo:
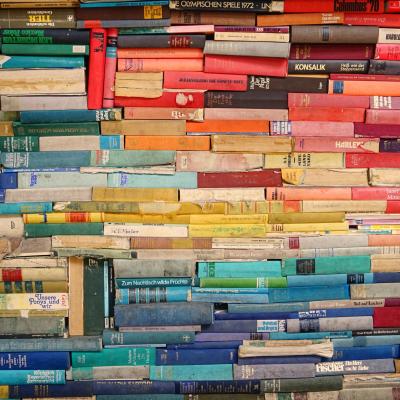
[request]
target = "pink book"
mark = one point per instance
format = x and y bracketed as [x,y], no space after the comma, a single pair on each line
[336,145]
[380,160]
[334,114]
[390,117]
[384,103]
[312,128]
[375,193]
[387,52]
[327,100]
[309,193]
[190,29]
[245,114]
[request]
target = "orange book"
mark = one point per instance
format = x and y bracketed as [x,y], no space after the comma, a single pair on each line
[167,143]
[310,193]
[300,19]
[383,240]
[229,126]
[160,53]
[364,88]
[159,64]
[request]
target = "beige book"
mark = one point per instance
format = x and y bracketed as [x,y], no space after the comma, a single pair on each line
[245,114]
[325,177]
[250,144]
[144,127]
[32,103]
[231,230]
[91,242]
[42,81]
[350,251]
[234,194]
[75,320]
[36,247]
[49,194]
[137,230]
[34,262]
[385,263]
[252,36]
[304,160]
[6,128]
[384,176]
[331,241]
[327,304]
[5,247]
[11,226]
[318,206]
[375,290]
[206,161]
[324,349]
[139,84]
[389,35]
[154,169]
[71,143]
[205,219]
[133,194]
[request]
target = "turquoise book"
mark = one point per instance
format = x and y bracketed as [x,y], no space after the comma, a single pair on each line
[25,208]
[118,356]
[40,62]
[112,142]
[210,372]
[46,230]
[310,335]
[239,269]
[180,180]
[329,279]
[25,377]
[131,158]
[112,338]
[53,116]
[327,265]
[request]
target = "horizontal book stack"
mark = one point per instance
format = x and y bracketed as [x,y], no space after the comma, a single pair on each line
[200,200]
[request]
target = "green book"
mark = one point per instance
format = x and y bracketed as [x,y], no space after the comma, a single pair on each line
[47,230]
[10,144]
[243,282]
[45,49]
[118,356]
[57,129]
[327,265]
[93,296]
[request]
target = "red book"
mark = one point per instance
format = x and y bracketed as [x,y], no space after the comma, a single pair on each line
[361,77]
[327,6]
[97,59]
[335,114]
[205,81]
[381,20]
[380,160]
[168,99]
[331,51]
[385,51]
[389,117]
[375,130]
[110,68]
[392,6]
[384,103]
[335,145]
[266,178]
[246,65]
[375,193]
[386,317]
[393,207]
[327,100]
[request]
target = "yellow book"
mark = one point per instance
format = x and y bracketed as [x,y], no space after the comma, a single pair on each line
[34,301]
[308,227]
[304,218]
[233,230]
[34,287]
[325,177]
[381,227]
[139,84]
[305,160]
[63,218]
[228,219]
[251,144]
[134,194]
[323,206]
[6,128]
[148,219]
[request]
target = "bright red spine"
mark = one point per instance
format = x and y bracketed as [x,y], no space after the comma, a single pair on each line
[335,114]
[361,77]
[327,6]
[267,178]
[97,58]
[393,207]
[386,317]
[327,100]
[110,68]
[392,6]
[380,160]
[389,52]
[381,20]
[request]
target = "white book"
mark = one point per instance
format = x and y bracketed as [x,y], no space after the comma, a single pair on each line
[212,195]
[36,103]
[11,226]
[137,230]
[91,242]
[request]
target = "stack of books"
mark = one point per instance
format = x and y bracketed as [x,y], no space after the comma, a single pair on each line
[200,199]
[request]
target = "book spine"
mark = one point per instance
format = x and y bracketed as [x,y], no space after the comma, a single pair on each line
[66,116]
[17,377]
[123,283]
[152,295]
[34,360]
[41,62]
[328,67]
[44,36]
[191,372]
[254,6]
[334,52]
[293,6]
[196,356]
[110,68]
[56,129]
[355,366]
[38,301]
[97,56]
[305,294]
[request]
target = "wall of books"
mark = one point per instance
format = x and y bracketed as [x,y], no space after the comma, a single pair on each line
[200,199]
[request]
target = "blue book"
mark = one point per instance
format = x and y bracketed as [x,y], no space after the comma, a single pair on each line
[229,298]
[125,3]
[309,335]
[113,387]
[237,291]
[216,372]
[196,356]
[333,313]
[223,386]
[227,344]
[223,315]
[365,353]
[2,195]
[111,337]
[44,360]
[386,277]
[282,307]
[54,116]
[8,180]
[25,208]
[329,280]
[68,389]
[279,360]
[361,341]
[122,283]
[152,295]
[239,269]
[39,376]
[164,314]
[43,62]
[227,336]
[309,294]
[246,326]
[181,180]
[111,142]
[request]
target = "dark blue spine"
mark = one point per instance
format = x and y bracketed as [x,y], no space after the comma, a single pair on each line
[196,356]
[279,360]
[386,277]
[133,387]
[34,360]
[200,387]
[365,353]
[69,389]
[8,180]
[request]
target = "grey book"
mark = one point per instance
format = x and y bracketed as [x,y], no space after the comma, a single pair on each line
[273,371]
